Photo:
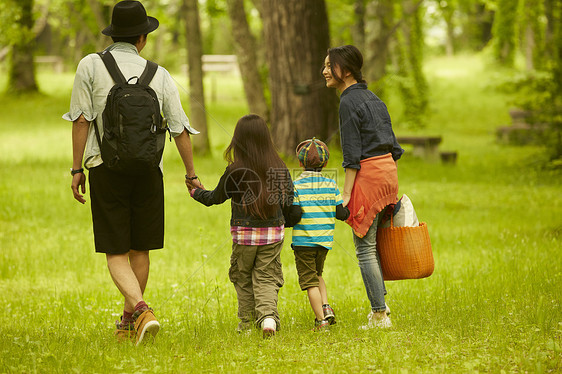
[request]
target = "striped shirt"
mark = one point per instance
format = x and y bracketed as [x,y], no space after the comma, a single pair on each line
[318,197]
[257,235]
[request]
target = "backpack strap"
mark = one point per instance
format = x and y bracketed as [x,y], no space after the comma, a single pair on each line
[148,73]
[112,67]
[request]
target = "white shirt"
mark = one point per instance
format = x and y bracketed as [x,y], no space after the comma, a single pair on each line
[93,82]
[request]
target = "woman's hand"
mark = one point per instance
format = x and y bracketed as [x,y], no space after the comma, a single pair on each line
[350,175]
[345,197]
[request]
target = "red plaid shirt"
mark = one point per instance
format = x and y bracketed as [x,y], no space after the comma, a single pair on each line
[257,235]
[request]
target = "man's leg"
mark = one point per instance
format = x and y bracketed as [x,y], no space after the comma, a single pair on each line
[125,279]
[140,263]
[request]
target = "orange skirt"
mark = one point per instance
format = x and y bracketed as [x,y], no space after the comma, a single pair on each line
[375,187]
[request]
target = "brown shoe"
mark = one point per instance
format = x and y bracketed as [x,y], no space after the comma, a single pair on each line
[124,335]
[124,331]
[146,323]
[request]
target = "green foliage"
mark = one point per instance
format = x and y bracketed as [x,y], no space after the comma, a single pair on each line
[10,33]
[533,29]
[340,15]
[504,30]
[410,76]
[540,93]
[492,305]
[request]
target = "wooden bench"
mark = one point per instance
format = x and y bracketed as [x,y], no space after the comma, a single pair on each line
[56,62]
[426,147]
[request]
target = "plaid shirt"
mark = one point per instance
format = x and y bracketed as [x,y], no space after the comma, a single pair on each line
[257,235]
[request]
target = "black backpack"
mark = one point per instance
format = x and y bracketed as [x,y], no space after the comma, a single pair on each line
[133,128]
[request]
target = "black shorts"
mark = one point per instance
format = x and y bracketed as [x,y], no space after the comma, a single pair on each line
[127,210]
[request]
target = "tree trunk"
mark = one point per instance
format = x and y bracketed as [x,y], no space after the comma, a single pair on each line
[22,69]
[358,28]
[198,114]
[302,107]
[549,13]
[413,85]
[448,12]
[504,32]
[101,22]
[247,59]
[379,15]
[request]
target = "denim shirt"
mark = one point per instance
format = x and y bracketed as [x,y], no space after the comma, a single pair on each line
[365,127]
[93,82]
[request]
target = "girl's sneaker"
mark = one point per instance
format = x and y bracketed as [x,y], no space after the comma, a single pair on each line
[329,314]
[322,325]
[268,326]
[377,320]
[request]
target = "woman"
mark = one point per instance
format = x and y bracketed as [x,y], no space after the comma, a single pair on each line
[370,151]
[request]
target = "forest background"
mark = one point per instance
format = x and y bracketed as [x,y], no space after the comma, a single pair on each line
[454,69]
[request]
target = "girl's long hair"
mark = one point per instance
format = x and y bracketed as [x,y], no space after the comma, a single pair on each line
[252,148]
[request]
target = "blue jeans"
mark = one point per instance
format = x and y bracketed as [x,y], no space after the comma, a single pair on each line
[369,263]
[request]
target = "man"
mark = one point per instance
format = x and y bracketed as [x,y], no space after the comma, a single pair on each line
[127,210]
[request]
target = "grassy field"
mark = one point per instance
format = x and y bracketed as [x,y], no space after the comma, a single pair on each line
[492,305]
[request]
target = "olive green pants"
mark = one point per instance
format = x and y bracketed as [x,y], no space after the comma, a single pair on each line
[257,275]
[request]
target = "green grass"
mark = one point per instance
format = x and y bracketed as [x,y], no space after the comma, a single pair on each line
[492,305]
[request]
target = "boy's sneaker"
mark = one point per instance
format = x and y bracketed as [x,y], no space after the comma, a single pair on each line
[329,314]
[387,309]
[268,326]
[124,330]
[377,320]
[145,322]
[322,325]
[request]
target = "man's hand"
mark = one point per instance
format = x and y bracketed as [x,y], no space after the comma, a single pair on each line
[193,183]
[79,184]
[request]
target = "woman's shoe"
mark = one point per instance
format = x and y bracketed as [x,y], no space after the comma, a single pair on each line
[377,320]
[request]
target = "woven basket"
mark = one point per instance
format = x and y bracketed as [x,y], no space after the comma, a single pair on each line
[405,252]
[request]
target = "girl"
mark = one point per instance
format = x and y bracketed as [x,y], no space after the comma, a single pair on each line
[261,192]
[370,151]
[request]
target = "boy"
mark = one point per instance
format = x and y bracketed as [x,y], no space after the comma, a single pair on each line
[321,203]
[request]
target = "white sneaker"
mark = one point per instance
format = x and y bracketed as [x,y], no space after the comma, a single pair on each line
[387,309]
[377,320]
[268,326]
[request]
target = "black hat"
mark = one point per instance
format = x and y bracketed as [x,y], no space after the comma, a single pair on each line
[129,19]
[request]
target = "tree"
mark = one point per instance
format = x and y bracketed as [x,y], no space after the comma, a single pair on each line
[448,9]
[247,59]
[198,113]
[21,77]
[298,35]
[379,27]
[504,32]
[358,27]
[532,33]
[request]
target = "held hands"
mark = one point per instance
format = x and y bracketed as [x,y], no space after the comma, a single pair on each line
[193,183]
[79,185]
[345,197]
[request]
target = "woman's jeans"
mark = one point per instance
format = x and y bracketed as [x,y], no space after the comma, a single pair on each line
[369,263]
